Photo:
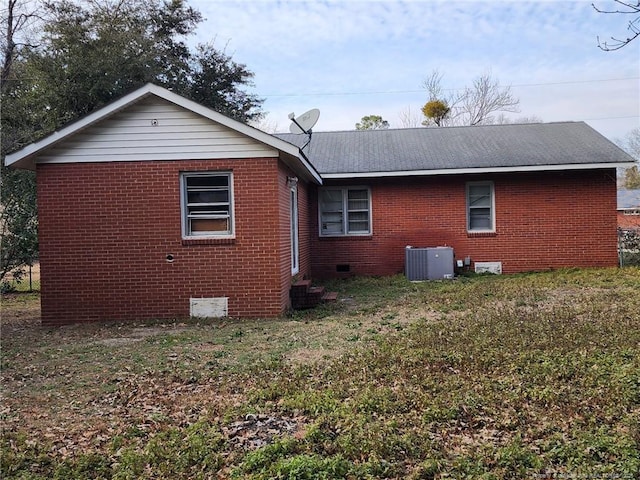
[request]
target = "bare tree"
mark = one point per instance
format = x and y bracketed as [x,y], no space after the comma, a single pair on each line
[484,98]
[18,17]
[632,143]
[473,105]
[630,177]
[433,85]
[265,124]
[409,118]
[502,119]
[624,7]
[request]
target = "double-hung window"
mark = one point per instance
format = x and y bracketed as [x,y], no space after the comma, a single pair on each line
[345,211]
[480,207]
[207,204]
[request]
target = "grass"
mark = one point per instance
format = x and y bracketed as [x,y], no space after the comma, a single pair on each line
[496,377]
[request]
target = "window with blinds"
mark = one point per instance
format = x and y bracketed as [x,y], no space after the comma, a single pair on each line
[345,211]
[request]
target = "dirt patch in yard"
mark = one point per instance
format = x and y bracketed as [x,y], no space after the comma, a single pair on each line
[138,334]
[19,310]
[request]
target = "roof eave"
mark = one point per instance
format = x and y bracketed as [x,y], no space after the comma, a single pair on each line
[475,170]
[301,165]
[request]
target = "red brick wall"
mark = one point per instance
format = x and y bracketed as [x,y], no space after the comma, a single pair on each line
[304,228]
[284,204]
[628,221]
[543,221]
[106,229]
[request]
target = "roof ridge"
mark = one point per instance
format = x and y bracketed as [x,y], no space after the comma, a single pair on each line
[495,125]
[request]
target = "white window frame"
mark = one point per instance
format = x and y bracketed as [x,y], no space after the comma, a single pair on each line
[345,212]
[492,207]
[187,215]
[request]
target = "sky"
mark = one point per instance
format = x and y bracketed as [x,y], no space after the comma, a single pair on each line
[355,58]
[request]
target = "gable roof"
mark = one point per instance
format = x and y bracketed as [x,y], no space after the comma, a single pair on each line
[628,199]
[290,154]
[453,150]
[393,152]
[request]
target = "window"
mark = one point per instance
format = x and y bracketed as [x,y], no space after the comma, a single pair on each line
[345,211]
[207,204]
[480,207]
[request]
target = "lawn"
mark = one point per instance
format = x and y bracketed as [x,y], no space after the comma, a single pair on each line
[522,376]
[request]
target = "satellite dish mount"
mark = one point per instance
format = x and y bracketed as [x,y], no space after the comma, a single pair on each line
[304,123]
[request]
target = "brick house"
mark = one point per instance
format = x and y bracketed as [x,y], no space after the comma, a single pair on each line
[157,207]
[628,209]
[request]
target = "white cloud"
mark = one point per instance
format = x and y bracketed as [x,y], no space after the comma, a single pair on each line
[331,47]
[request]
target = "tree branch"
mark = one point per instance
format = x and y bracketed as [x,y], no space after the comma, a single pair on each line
[633,27]
[15,22]
[633,8]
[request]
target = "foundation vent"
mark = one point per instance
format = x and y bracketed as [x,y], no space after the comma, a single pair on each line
[488,267]
[214,307]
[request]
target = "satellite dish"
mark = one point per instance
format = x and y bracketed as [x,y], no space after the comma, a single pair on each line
[305,122]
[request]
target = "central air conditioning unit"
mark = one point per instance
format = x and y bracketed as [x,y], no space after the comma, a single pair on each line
[430,263]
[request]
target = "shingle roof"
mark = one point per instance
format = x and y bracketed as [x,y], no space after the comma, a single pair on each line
[362,152]
[628,199]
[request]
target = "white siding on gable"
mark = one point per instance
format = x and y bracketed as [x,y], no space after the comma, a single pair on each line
[155,129]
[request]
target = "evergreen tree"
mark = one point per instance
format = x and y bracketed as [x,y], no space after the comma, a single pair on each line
[89,53]
[372,122]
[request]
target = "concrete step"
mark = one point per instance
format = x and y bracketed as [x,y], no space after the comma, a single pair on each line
[316,291]
[305,295]
[330,297]
[300,288]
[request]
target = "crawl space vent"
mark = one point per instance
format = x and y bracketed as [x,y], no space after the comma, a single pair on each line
[488,267]
[214,307]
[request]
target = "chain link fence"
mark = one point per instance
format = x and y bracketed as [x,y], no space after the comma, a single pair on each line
[629,246]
